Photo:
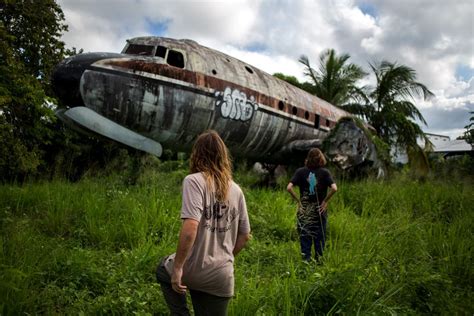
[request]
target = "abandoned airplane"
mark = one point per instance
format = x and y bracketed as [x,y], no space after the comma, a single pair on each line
[164,92]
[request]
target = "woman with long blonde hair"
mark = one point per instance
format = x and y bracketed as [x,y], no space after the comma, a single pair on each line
[215,228]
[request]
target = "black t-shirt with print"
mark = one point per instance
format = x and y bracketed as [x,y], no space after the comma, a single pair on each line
[304,177]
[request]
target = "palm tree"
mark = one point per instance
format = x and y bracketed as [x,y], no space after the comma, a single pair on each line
[335,79]
[468,135]
[389,108]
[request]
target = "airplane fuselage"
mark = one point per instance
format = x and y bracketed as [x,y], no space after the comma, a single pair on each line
[172,90]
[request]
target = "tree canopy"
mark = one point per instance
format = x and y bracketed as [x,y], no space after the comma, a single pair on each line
[335,79]
[390,108]
[30,46]
[34,29]
[306,86]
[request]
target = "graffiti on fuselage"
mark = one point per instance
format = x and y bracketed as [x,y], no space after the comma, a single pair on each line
[235,105]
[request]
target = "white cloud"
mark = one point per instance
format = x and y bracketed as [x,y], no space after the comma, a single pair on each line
[269,63]
[88,32]
[230,22]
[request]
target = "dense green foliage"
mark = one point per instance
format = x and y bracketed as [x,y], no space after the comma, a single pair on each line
[390,109]
[306,86]
[34,31]
[30,137]
[29,47]
[23,114]
[91,247]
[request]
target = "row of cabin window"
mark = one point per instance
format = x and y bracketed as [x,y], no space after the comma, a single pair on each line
[174,57]
[294,111]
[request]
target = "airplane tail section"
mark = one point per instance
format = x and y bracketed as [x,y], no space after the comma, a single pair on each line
[351,146]
[83,119]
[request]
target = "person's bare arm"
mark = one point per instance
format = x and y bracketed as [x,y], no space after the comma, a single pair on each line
[240,243]
[185,243]
[324,205]
[289,188]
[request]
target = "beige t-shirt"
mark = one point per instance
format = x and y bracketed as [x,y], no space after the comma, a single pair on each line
[209,268]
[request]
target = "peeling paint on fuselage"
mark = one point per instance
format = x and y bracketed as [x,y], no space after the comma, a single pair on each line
[255,113]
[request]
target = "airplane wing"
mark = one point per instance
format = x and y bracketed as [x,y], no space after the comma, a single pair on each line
[82,118]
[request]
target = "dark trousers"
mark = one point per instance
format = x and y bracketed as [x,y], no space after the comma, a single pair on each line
[204,304]
[312,230]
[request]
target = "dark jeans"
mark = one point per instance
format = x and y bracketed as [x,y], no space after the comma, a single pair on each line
[204,304]
[312,230]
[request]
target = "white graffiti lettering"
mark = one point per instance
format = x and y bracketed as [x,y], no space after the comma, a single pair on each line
[235,105]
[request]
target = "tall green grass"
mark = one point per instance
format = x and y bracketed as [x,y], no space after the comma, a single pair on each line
[91,247]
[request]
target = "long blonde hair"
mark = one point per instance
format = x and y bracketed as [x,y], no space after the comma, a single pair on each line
[211,157]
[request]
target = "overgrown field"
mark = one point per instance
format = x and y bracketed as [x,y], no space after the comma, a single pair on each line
[91,247]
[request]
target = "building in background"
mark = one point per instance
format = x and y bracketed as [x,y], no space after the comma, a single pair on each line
[442,145]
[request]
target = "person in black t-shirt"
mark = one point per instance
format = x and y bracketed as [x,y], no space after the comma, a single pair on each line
[313,181]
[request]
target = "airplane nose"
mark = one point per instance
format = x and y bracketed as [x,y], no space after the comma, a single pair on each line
[67,75]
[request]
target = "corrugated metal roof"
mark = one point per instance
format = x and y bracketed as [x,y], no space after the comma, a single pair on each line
[456,145]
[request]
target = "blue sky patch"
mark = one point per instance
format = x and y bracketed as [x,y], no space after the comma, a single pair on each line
[256,47]
[368,8]
[158,28]
[464,72]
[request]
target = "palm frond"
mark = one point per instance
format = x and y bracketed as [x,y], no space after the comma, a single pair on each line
[309,71]
[335,79]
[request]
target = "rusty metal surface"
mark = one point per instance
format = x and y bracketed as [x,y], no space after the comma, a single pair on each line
[351,146]
[258,116]
[203,61]
[254,112]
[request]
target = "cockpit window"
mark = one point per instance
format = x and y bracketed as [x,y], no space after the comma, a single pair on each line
[161,51]
[136,49]
[175,59]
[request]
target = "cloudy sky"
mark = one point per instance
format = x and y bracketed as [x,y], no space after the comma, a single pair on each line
[434,37]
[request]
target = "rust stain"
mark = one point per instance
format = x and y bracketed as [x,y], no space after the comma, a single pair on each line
[203,80]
